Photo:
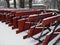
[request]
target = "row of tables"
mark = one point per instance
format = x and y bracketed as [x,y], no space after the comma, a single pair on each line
[22,18]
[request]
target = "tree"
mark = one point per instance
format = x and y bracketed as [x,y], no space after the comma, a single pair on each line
[30,3]
[59,4]
[8,4]
[22,3]
[14,3]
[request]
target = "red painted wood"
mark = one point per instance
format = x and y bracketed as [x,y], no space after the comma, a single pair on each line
[23,15]
[11,20]
[58,30]
[3,18]
[7,19]
[49,38]
[15,22]
[32,32]
[30,12]
[31,19]
[0,17]
[23,26]
[48,21]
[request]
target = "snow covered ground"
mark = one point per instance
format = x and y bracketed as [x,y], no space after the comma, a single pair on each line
[9,36]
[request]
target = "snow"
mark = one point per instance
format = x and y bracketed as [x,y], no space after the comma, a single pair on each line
[9,37]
